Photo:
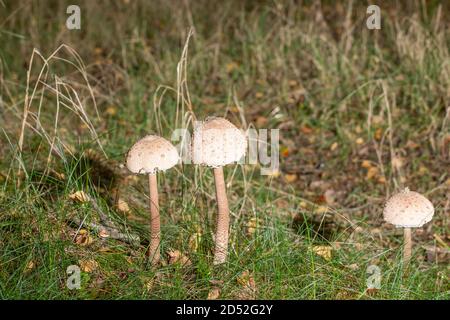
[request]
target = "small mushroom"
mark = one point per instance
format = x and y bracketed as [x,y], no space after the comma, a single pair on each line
[408,209]
[217,142]
[148,156]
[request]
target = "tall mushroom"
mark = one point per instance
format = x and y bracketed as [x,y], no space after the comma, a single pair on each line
[148,156]
[217,142]
[408,209]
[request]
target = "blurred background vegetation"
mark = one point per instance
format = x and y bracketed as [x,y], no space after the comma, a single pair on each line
[362,114]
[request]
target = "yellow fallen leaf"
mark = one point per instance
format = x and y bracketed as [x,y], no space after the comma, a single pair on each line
[80,196]
[252,225]
[275,173]
[88,265]
[321,209]
[382,180]
[111,110]
[359,141]
[289,178]
[366,164]
[231,66]
[334,146]
[372,172]
[30,266]
[259,95]
[323,251]
[83,238]
[378,134]
[123,206]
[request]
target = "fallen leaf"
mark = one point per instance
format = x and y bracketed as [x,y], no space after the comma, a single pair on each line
[247,281]
[289,178]
[371,173]
[330,197]
[83,238]
[259,95]
[382,180]
[397,162]
[306,130]
[321,209]
[80,196]
[88,265]
[323,251]
[213,294]
[122,206]
[334,146]
[293,83]
[366,164]
[359,141]
[111,110]
[30,266]
[284,151]
[353,266]
[378,134]
[261,122]
[252,225]
[231,66]
[436,254]
[176,257]
[103,233]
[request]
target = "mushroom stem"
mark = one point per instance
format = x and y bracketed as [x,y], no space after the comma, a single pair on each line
[223,218]
[155,227]
[407,246]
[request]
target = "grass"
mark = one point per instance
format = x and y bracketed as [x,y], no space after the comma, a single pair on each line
[362,113]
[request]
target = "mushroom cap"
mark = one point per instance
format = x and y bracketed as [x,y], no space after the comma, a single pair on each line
[151,154]
[408,209]
[217,142]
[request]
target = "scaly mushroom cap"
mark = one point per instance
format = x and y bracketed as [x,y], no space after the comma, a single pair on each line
[151,154]
[408,209]
[217,142]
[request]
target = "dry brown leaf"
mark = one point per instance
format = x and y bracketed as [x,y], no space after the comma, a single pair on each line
[176,257]
[247,281]
[80,196]
[88,265]
[334,146]
[289,178]
[83,238]
[123,206]
[306,130]
[111,110]
[372,172]
[378,134]
[397,162]
[323,251]
[366,164]
[30,266]
[103,233]
[261,122]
